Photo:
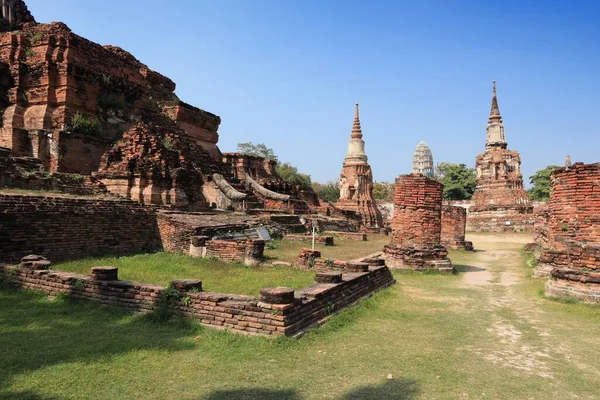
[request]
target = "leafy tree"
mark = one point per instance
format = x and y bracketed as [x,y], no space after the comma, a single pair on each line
[383,191]
[259,150]
[290,174]
[540,191]
[458,180]
[329,191]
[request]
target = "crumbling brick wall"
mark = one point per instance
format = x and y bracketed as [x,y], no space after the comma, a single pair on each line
[279,311]
[68,228]
[454,221]
[417,225]
[574,231]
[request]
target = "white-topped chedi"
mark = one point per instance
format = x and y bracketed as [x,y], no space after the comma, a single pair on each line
[423,160]
[356,146]
[495,128]
[356,180]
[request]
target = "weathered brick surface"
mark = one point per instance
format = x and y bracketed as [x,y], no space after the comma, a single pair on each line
[235,250]
[417,225]
[573,251]
[360,236]
[454,221]
[67,228]
[238,314]
[540,226]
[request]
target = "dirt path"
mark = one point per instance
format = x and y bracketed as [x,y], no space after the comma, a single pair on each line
[520,341]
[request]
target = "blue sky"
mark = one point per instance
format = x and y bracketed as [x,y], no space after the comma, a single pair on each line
[287,73]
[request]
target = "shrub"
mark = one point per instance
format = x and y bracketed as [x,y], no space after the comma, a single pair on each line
[80,123]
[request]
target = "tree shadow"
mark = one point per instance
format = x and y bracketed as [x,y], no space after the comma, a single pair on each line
[253,393]
[467,268]
[37,333]
[397,389]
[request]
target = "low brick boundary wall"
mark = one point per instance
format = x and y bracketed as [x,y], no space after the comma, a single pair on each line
[280,311]
[249,251]
[324,240]
[360,236]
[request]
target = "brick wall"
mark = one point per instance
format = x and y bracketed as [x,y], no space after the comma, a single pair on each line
[267,316]
[325,240]
[68,228]
[454,221]
[360,236]
[574,232]
[235,250]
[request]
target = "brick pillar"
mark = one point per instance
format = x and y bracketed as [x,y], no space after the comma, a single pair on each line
[454,222]
[417,225]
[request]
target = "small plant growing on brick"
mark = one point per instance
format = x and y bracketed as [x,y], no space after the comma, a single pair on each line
[168,143]
[84,125]
[329,308]
[564,227]
[329,263]
[311,262]
[186,300]
[78,285]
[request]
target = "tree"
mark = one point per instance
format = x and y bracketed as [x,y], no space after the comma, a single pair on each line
[259,150]
[540,191]
[383,191]
[329,191]
[458,180]
[290,174]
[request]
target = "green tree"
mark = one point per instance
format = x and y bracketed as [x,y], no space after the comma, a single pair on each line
[329,191]
[290,174]
[259,150]
[458,180]
[540,191]
[383,191]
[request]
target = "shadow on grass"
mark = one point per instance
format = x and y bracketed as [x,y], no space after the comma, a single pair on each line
[253,393]
[467,268]
[38,333]
[397,389]
[400,389]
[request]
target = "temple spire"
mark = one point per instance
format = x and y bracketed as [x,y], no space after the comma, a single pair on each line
[495,111]
[356,130]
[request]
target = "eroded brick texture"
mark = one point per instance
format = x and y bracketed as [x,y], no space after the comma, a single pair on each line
[417,225]
[238,314]
[573,255]
[68,228]
[454,222]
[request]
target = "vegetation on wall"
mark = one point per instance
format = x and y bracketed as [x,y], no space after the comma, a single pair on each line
[84,125]
[329,191]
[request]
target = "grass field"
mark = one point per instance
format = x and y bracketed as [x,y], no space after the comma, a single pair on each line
[483,333]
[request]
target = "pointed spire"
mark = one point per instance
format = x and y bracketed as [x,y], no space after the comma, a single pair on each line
[356,130]
[495,111]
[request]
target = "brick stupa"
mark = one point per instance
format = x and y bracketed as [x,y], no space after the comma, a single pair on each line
[500,203]
[356,181]
[417,226]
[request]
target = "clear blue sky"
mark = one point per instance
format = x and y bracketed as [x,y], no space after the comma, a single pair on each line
[287,73]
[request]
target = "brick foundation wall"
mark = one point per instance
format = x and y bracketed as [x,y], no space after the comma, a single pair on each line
[235,250]
[325,240]
[573,253]
[175,235]
[495,219]
[267,316]
[360,236]
[67,228]
[454,221]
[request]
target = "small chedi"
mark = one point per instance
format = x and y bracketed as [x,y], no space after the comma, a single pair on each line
[423,160]
[417,226]
[356,181]
[572,253]
[500,203]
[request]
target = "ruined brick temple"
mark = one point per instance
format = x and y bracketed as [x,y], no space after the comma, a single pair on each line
[356,181]
[417,226]
[500,203]
[571,241]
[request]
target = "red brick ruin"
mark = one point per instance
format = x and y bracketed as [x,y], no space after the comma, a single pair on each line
[454,222]
[417,226]
[500,203]
[571,243]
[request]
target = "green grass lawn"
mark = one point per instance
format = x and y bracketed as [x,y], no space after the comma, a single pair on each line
[439,336]
[344,249]
[216,276]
